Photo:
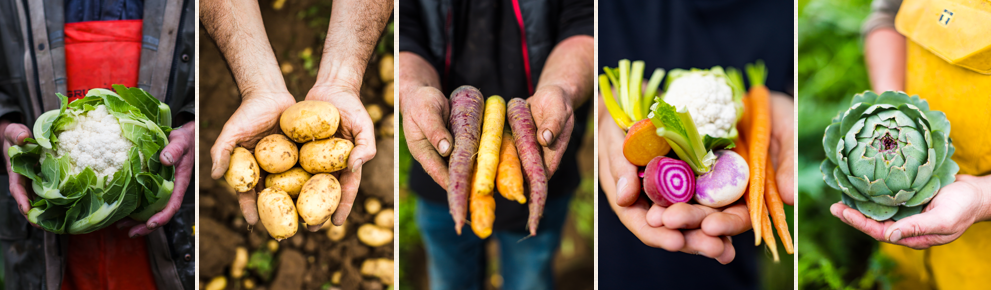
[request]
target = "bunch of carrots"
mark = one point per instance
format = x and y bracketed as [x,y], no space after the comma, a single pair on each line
[763,199]
[498,165]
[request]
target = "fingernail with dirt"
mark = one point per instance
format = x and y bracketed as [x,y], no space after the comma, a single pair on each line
[443,146]
[168,157]
[547,137]
[152,225]
[356,166]
[895,236]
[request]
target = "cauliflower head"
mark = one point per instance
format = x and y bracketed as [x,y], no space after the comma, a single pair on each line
[708,98]
[96,141]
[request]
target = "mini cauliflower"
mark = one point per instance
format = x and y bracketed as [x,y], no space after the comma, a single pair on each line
[712,97]
[95,161]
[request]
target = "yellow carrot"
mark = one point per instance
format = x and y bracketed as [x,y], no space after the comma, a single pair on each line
[482,209]
[509,179]
[493,123]
[777,210]
[758,136]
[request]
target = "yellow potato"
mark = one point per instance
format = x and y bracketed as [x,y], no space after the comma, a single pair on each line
[374,236]
[290,181]
[388,93]
[385,218]
[319,199]
[386,128]
[336,233]
[310,120]
[277,213]
[325,156]
[243,172]
[381,268]
[386,68]
[276,153]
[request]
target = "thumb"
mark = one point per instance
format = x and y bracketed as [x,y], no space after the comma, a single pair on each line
[926,223]
[220,153]
[16,133]
[178,144]
[550,123]
[364,149]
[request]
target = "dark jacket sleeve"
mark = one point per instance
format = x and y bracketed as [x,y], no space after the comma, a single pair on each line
[11,63]
[413,36]
[577,17]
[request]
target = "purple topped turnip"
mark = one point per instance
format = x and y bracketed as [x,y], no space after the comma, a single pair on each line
[726,183]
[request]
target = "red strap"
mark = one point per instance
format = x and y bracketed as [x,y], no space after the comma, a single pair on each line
[526,54]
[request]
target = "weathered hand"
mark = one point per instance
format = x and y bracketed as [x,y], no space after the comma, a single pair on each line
[20,189]
[782,146]
[554,116]
[954,209]
[179,153]
[357,127]
[425,112]
[257,117]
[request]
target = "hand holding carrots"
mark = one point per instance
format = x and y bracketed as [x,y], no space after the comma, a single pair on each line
[553,113]
[425,113]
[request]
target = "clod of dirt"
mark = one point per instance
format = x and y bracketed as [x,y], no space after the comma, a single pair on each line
[380,170]
[217,247]
[297,241]
[291,267]
[310,245]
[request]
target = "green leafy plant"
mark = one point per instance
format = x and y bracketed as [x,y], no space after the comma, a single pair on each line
[889,154]
[95,161]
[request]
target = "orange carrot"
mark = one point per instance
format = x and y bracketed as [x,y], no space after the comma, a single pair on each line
[482,207]
[759,136]
[777,210]
[768,233]
[642,143]
[509,176]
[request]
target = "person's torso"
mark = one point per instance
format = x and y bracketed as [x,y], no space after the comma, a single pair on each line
[964,95]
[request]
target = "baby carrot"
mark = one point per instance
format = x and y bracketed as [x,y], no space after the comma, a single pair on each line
[509,179]
[777,210]
[488,148]
[759,137]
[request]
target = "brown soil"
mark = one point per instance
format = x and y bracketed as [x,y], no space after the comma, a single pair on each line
[308,259]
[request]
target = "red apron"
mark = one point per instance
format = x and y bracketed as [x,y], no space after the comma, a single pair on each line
[99,54]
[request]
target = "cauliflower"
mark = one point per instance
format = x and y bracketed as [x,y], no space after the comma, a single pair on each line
[94,140]
[709,99]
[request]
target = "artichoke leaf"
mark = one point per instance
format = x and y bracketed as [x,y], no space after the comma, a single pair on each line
[847,187]
[831,141]
[925,194]
[893,200]
[876,211]
[904,212]
[897,179]
[827,168]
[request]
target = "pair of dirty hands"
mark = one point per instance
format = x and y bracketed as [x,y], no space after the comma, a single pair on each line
[426,112]
[180,153]
[690,228]
[258,116]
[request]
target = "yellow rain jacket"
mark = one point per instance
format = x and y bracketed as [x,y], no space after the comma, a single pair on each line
[949,65]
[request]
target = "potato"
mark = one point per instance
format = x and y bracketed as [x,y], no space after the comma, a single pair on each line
[387,128]
[336,233]
[240,260]
[325,156]
[243,172]
[217,283]
[290,181]
[373,205]
[388,93]
[335,278]
[374,236]
[319,199]
[380,267]
[386,68]
[310,120]
[385,218]
[277,213]
[272,246]
[374,112]
[276,153]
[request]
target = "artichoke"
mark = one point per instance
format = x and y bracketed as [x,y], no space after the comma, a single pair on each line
[888,154]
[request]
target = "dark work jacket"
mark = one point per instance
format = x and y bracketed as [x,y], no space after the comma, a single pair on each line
[33,258]
[687,34]
[479,43]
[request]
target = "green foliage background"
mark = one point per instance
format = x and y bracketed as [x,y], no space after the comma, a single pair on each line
[832,255]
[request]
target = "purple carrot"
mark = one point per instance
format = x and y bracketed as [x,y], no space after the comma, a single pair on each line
[525,137]
[467,105]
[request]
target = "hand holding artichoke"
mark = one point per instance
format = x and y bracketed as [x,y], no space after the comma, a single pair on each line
[889,155]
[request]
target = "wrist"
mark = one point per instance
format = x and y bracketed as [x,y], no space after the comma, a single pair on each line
[982,185]
[277,95]
[339,75]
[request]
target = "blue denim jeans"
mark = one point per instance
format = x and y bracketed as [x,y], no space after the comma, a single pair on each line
[458,262]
